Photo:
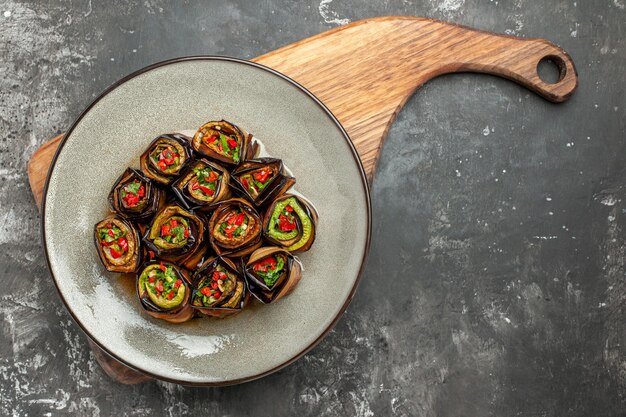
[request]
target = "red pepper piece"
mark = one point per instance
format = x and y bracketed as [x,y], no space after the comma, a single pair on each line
[111,233]
[131,200]
[261,176]
[162,267]
[232,144]
[284,224]
[162,165]
[173,223]
[170,295]
[222,275]
[206,190]
[159,286]
[123,243]
[244,181]
[152,279]
[212,176]
[195,185]
[151,253]
[289,209]
[240,218]
[217,295]
[211,139]
[206,291]
[214,285]
[115,254]
[142,191]
[178,283]
[186,232]
[165,230]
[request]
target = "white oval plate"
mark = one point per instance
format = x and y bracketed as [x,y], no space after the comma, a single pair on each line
[179,95]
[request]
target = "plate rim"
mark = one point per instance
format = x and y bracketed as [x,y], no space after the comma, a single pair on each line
[304,90]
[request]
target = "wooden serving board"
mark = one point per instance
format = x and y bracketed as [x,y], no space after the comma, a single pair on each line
[365,72]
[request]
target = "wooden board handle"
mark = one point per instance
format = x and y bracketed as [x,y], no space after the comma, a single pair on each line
[518,60]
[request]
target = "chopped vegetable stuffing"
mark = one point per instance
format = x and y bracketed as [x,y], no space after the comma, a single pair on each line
[270,268]
[166,157]
[225,145]
[175,230]
[255,182]
[133,193]
[112,238]
[235,224]
[204,184]
[215,287]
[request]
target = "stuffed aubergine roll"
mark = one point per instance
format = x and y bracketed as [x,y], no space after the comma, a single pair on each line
[164,292]
[118,244]
[222,141]
[272,273]
[166,157]
[219,289]
[290,223]
[235,228]
[203,184]
[261,180]
[177,235]
[135,196]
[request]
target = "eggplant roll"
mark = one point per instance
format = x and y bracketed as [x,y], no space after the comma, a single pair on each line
[164,292]
[203,184]
[177,235]
[135,196]
[218,288]
[272,273]
[222,141]
[290,223]
[235,228]
[166,158]
[261,180]
[118,244]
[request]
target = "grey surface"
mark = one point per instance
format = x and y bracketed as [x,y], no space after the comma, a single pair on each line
[496,293]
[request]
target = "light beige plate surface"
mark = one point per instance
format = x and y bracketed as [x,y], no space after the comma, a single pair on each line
[181,95]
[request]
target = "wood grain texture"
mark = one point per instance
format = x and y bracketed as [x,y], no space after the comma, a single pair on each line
[364,72]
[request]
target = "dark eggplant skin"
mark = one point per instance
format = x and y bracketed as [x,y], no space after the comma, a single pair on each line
[247,246]
[181,313]
[154,196]
[187,255]
[243,139]
[310,213]
[277,186]
[134,242]
[283,286]
[180,186]
[182,143]
[203,273]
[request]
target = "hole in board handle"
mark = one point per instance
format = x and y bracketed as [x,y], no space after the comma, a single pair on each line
[551,69]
